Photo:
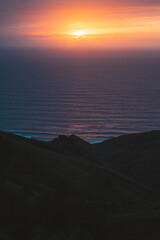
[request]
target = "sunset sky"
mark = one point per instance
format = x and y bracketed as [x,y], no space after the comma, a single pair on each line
[81,23]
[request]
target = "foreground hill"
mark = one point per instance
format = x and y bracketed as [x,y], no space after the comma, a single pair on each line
[64,190]
[136,156]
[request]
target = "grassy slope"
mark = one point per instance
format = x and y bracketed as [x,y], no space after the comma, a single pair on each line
[136,156]
[64,181]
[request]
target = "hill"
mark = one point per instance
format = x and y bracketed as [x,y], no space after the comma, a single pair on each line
[65,190]
[136,156]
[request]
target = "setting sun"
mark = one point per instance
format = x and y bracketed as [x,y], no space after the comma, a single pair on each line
[83,25]
[80,33]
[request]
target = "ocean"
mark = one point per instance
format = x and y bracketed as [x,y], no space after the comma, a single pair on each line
[95,94]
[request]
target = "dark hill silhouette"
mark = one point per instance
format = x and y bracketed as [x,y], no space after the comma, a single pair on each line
[73,145]
[136,156]
[64,190]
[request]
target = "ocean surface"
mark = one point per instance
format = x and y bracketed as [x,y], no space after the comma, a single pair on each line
[96,95]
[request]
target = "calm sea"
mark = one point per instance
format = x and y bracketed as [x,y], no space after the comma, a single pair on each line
[94,94]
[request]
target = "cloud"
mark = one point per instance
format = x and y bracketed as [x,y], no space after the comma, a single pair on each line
[27,16]
[12,9]
[22,4]
[142,2]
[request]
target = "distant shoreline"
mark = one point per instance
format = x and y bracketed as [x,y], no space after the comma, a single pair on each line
[92,142]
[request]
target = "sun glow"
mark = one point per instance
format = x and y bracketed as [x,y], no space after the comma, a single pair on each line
[84,26]
[79,33]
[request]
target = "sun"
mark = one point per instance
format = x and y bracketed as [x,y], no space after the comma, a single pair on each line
[79,33]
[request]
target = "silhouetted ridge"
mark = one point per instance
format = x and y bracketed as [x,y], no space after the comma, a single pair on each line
[137,139]
[65,190]
[72,139]
[73,145]
[136,156]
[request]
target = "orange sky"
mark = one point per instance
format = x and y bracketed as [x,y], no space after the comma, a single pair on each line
[104,25]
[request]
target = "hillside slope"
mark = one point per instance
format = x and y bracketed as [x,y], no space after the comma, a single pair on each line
[62,190]
[136,156]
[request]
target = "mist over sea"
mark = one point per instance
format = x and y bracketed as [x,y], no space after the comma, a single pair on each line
[93,94]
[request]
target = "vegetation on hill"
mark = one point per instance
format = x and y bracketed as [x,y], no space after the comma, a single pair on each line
[68,189]
[136,156]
